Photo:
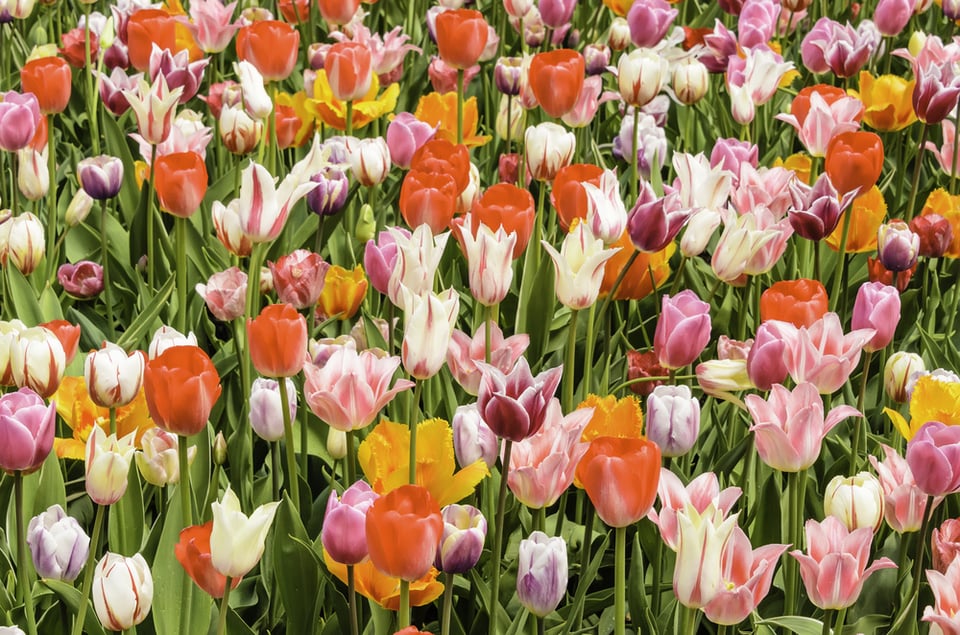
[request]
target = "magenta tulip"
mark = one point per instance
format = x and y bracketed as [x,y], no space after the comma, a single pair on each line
[683,330]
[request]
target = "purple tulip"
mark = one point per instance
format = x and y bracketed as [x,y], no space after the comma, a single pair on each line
[112,87]
[178,70]
[557,13]
[26,430]
[541,573]
[330,197]
[597,58]
[101,176]
[877,307]
[266,413]
[816,210]
[649,21]
[344,533]
[933,455]
[405,135]
[836,47]
[683,330]
[514,404]
[19,118]
[81,280]
[464,529]
[654,222]
[897,245]
[58,544]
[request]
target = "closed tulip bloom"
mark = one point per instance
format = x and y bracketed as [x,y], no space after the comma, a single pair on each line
[239,132]
[155,106]
[579,267]
[33,173]
[856,500]
[428,324]
[514,404]
[330,196]
[464,530]
[180,182]
[937,81]
[380,258]
[338,12]
[620,476]
[82,280]
[370,161]
[933,455]
[343,293]
[113,378]
[823,355]
[237,540]
[271,46]
[556,78]
[349,70]
[107,465]
[167,337]
[897,245]
[505,206]
[683,330]
[655,221]
[817,210]
[256,101]
[58,544]
[878,307]
[266,414]
[835,567]
[854,160]
[49,78]
[765,365]
[147,28]
[19,118]
[935,232]
[541,573]
[101,176]
[298,278]
[489,261]
[159,462]
[181,386]
[351,388]
[690,80]
[38,360]
[548,148]
[404,528]
[800,302]
[891,16]
[278,341]
[227,224]
[26,431]
[673,419]
[122,591]
[461,37]
[606,214]
[649,22]
[698,574]
[344,532]
[641,75]
[473,440]
[790,426]
[405,135]
[22,242]
[193,553]
[225,294]
[904,504]
[900,368]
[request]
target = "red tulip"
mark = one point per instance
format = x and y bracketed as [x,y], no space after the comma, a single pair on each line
[461,37]
[556,78]
[49,78]
[278,341]
[181,182]
[181,385]
[428,197]
[270,45]
[145,28]
[404,528]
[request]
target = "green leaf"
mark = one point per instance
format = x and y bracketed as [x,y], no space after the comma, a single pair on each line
[50,490]
[70,596]
[24,297]
[795,624]
[518,623]
[298,576]
[585,580]
[143,324]
[117,146]
[125,522]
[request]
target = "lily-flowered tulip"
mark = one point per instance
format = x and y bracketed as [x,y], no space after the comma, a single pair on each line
[514,404]
[429,320]
[489,261]
[58,544]
[351,388]
[271,46]
[823,355]
[743,239]
[181,385]
[38,360]
[702,493]
[266,416]
[101,176]
[620,475]
[158,462]
[745,576]
[256,101]
[122,591]
[835,567]
[944,615]
[19,118]
[683,329]
[27,428]
[404,528]
[49,78]
[180,180]
[344,533]
[264,207]
[225,294]
[461,37]
[465,351]
[155,106]
[823,119]
[606,215]
[112,376]
[193,553]
[298,278]
[841,49]
[237,540]
[857,501]
[673,419]
[790,425]
[904,504]
[541,573]
[933,454]
[107,465]
[548,147]
[698,575]
[753,81]
[878,307]
[464,530]
[178,70]
[210,24]
[556,78]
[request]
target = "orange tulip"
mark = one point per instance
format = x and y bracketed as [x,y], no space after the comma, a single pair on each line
[294,11]
[180,179]
[461,37]
[637,283]
[620,476]
[403,530]
[193,553]
[181,385]
[442,156]
[440,110]
[567,194]
[508,206]
[49,78]
[343,292]
[556,78]
[270,45]
[428,197]
[68,334]
[800,302]
[854,159]
[349,68]
[338,12]
[278,341]
[145,28]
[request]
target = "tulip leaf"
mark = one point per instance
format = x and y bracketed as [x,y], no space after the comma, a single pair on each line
[299,578]
[50,489]
[70,596]
[50,305]
[795,624]
[25,304]
[584,581]
[518,623]
[144,321]
[125,521]
[117,146]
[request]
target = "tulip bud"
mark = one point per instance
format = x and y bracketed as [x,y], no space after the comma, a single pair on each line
[596,58]
[370,161]
[897,245]
[79,208]
[122,591]
[22,242]
[219,449]
[877,307]
[33,177]
[366,224]
[673,419]
[38,361]
[691,80]
[464,530]
[107,465]
[897,373]
[541,573]
[857,501]
[507,75]
[951,9]
[619,37]
[916,43]
[159,461]
[58,544]
[330,196]
[266,414]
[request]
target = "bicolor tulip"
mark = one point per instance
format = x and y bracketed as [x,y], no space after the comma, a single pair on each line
[841,49]
[344,532]
[82,280]
[489,261]
[541,573]
[514,404]
[181,386]
[465,351]
[349,70]
[683,330]
[900,368]
[404,528]
[271,46]
[107,465]
[330,196]
[800,302]
[745,576]
[690,80]
[606,214]
[9,334]
[167,337]
[464,530]
[857,500]
[237,540]
[159,461]
[417,259]
[655,221]
[225,294]
[473,440]
[944,615]
[38,360]
[26,431]
[753,81]
[641,74]
[548,147]
[155,106]
[263,207]
[58,544]
[112,376]
[193,554]
[122,591]
[945,543]
[298,278]
[266,415]
[101,176]
[817,210]
[701,494]
[579,266]
[897,245]
[556,78]
[461,37]
[824,119]
[369,160]
[33,174]
[620,475]
[703,537]
[428,323]
[19,119]
[49,78]
[178,70]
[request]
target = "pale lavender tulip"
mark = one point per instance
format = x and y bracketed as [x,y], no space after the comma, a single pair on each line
[266,413]
[225,294]
[541,573]
[344,532]
[673,419]
[464,530]
[58,544]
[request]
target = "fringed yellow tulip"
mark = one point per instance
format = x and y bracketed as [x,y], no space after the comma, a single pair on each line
[932,400]
[383,589]
[333,112]
[441,110]
[888,101]
[868,211]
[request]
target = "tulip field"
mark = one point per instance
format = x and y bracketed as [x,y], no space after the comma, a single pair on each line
[479,317]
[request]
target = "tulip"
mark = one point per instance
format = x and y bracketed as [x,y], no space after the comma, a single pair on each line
[271,46]
[159,461]
[278,341]
[58,544]
[344,533]
[239,132]
[904,504]
[818,209]
[489,262]
[298,278]
[757,22]
[729,154]
[898,246]
[26,431]
[641,75]
[343,292]
[836,554]
[579,267]
[266,414]
[800,302]
[428,324]
[405,135]
[178,70]
[464,530]
[944,544]
[897,373]
[464,352]
[49,79]
[225,294]
[933,455]
[514,404]
[113,378]
[683,330]
[839,48]
[181,385]
[541,573]
[263,207]
[122,591]
[943,614]
[698,574]
[854,160]
[690,80]
[349,71]
[643,365]
[338,12]
[701,496]
[237,540]
[19,118]
[822,354]
[9,337]
[107,465]
[404,528]
[606,214]
[654,222]
[441,156]
[370,161]
[620,475]
[753,80]
[878,307]
[548,148]
[935,232]
[937,81]
[380,258]
[33,175]
[765,365]
[673,419]
[473,440]
[824,118]
[568,195]
[147,28]
[330,196]
[746,575]
[38,360]
[508,207]
[167,337]
[101,176]
[193,553]
[856,500]
[210,24]
[83,280]
[790,426]
[461,37]
[180,182]
[556,78]
[508,74]
[227,224]
[155,107]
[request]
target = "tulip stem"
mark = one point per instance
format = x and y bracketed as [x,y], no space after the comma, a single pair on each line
[447,603]
[620,582]
[634,171]
[22,572]
[411,421]
[349,119]
[825,628]
[916,172]
[88,574]
[352,598]
[403,615]
[795,492]
[151,222]
[460,107]
[293,486]
[588,353]
[498,539]
[105,257]
[275,468]
[487,329]
[51,198]
[180,234]
[955,158]
[841,260]
[570,364]
[861,422]
[351,459]
[224,605]
[921,543]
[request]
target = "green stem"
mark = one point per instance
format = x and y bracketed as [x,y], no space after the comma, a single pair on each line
[184,481]
[841,260]
[588,353]
[447,604]
[151,223]
[620,582]
[585,549]
[351,459]
[861,421]
[275,468]
[634,171]
[616,283]
[403,615]
[838,622]
[498,540]
[349,122]
[23,574]
[657,577]
[916,173]
[487,332]
[88,574]
[352,598]
[921,543]
[795,492]
[412,422]
[92,97]
[570,364]
[825,628]
[460,107]
[293,487]
[224,605]
[105,258]
[52,258]
[180,231]
[113,420]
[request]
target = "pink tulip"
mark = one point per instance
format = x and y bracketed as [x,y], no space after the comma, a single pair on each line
[19,118]
[945,543]
[904,502]
[817,209]
[344,533]
[649,21]
[542,465]
[878,307]
[587,104]
[823,355]
[753,81]
[790,426]
[178,70]
[944,615]
[380,257]
[443,77]
[683,329]
[891,16]
[405,135]
[113,86]
[465,351]
[938,83]
[767,187]
[824,120]
[26,431]
[835,47]
[702,492]
[746,575]
[225,294]
[933,455]
[835,568]
[210,24]
[514,404]
[351,388]
[765,365]
[945,154]
[766,256]
[757,22]
[729,154]
[298,277]
[473,439]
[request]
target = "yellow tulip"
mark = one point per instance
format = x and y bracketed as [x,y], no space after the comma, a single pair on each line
[868,211]
[932,400]
[888,100]
[383,589]
[343,292]
[333,112]
[799,163]
[441,110]
[612,417]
